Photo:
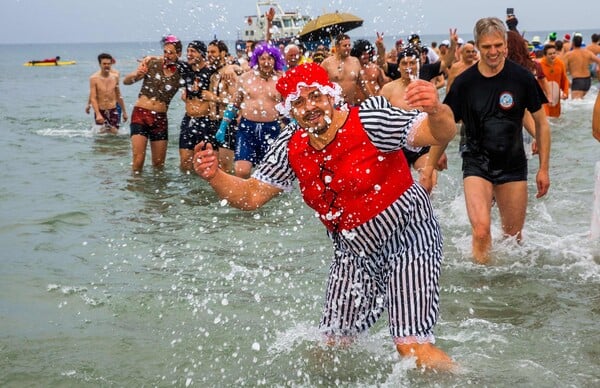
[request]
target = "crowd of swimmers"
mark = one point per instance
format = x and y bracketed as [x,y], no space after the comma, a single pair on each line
[279,109]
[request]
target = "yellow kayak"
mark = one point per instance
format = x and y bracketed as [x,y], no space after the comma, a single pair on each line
[41,63]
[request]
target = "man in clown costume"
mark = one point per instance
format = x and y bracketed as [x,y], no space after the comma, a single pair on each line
[351,170]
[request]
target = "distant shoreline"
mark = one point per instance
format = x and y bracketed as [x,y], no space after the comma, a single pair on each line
[426,37]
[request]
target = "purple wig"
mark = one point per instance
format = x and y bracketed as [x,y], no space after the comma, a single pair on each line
[273,51]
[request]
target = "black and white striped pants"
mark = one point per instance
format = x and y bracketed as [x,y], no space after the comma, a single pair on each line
[391,262]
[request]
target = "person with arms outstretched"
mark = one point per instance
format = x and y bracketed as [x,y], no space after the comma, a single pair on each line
[351,170]
[161,81]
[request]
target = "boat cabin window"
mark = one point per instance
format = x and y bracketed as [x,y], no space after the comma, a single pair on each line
[277,23]
[288,23]
[302,22]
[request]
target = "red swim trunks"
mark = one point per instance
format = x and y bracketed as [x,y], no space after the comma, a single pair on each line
[151,124]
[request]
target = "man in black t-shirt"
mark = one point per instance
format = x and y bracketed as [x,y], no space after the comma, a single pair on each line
[490,98]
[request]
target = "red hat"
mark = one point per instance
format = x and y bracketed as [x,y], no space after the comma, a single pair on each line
[306,74]
[567,37]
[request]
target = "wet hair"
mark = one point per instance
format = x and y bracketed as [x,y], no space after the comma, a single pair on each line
[361,46]
[105,56]
[559,45]
[548,47]
[220,45]
[517,50]
[341,37]
[223,47]
[489,25]
[577,40]
[268,48]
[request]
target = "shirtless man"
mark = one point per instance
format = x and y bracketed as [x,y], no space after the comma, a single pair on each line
[395,92]
[105,95]
[344,70]
[196,125]
[578,62]
[594,47]
[371,74]
[468,56]
[256,97]
[149,117]
[222,88]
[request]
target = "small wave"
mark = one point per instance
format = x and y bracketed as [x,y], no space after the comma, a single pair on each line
[65,132]
[80,130]
[69,218]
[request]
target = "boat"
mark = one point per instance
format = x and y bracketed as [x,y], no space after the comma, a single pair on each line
[49,63]
[282,29]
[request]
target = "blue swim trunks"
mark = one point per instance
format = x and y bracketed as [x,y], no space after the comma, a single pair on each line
[254,138]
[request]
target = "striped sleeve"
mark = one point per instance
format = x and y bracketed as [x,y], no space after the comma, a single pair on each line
[275,167]
[389,127]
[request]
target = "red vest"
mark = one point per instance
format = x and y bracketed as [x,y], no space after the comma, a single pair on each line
[350,181]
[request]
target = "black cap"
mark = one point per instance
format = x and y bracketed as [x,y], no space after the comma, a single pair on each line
[410,51]
[199,46]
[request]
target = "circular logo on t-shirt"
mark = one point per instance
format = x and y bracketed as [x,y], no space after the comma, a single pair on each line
[506,100]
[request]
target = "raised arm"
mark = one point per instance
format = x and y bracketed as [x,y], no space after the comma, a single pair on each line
[380,51]
[450,56]
[138,74]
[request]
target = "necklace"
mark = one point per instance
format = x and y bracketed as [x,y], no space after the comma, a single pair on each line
[265,75]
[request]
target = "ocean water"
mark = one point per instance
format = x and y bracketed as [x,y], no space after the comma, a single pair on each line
[112,279]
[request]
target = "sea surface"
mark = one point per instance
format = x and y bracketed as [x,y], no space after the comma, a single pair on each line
[114,279]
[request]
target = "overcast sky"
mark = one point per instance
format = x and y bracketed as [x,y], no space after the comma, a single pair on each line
[56,21]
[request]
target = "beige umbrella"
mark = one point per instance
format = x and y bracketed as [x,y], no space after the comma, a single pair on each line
[327,26]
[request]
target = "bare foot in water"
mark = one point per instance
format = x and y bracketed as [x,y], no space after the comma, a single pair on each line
[428,356]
